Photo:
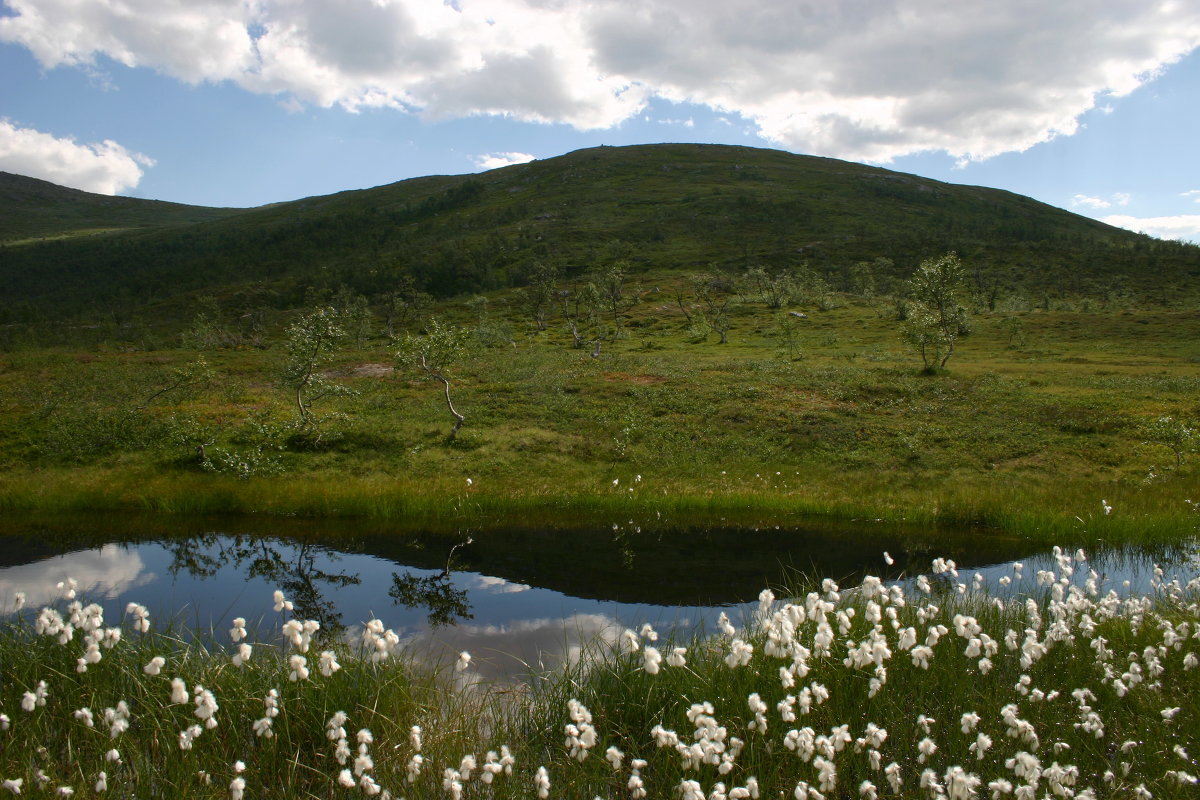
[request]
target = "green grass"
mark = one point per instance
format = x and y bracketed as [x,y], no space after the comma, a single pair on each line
[1100,693]
[1026,440]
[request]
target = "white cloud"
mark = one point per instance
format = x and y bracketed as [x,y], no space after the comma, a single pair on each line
[497,160]
[1116,198]
[866,80]
[1181,226]
[1090,202]
[104,167]
[1194,194]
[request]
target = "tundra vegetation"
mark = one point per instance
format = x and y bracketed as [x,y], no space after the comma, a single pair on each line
[1044,410]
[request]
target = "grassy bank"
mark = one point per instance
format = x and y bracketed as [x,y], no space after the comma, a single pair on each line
[1065,511]
[941,687]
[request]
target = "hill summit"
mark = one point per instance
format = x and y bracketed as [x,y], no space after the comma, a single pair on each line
[666,206]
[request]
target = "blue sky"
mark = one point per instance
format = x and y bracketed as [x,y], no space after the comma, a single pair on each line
[1089,105]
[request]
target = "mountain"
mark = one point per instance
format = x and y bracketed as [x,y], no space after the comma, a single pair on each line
[32,209]
[669,206]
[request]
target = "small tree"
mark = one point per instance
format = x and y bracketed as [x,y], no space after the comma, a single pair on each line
[432,355]
[354,313]
[311,342]
[538,297]
[1176,435]
[580,308]
[773,290]
[936,314]
[609,290]
[401,304]
[715,293]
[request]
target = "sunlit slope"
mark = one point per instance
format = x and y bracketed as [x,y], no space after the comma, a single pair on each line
[659,206]
[33,210]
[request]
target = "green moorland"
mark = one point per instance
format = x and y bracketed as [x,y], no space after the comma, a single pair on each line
[726,323]
[1039,416]
[37,211]
[675,207]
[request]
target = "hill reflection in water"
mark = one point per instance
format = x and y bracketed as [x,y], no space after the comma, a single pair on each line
[516,599]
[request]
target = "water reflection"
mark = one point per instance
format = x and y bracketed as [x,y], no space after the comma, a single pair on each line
[106,572]
[302,571]
[447,603]
[516,599]
[520,647]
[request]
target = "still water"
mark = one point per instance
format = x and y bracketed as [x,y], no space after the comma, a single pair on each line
[515,598]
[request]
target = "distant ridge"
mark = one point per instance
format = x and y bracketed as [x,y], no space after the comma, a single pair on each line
[33,208]
[665,206]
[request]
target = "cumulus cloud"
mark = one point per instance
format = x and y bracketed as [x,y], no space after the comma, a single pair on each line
[497,160]
[1194,194]
[869,81]
[1090,202]
[105,167]
[1115,199]
[1181,226]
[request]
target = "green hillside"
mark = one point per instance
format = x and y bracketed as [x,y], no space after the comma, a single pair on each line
[665,206]
[33,210]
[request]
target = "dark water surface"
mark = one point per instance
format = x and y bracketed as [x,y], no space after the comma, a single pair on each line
[510,596]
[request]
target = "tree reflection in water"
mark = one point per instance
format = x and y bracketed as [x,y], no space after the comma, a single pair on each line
[293,568]
[446,603]
[296,574]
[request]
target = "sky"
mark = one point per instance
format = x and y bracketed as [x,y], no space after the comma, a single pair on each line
[1089,105]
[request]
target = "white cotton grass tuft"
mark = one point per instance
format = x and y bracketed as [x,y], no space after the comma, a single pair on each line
[281,603]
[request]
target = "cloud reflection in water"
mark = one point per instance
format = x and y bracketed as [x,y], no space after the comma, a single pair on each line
[503,652]
[106,572]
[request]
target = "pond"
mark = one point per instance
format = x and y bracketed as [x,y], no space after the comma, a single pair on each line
[515,598]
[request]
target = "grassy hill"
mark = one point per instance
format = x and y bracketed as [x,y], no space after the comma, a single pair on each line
[671,206]
[33,210]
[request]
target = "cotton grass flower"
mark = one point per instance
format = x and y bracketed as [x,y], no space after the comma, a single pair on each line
[677,657]
[298,668]
[206,707]
[464,661]
[243,654]
[281,602]
[141,617]
[36,698]
[328,663]
[740,654]
[651,659]
[580,733]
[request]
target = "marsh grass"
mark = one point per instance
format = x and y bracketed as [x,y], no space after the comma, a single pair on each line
[1096,694]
